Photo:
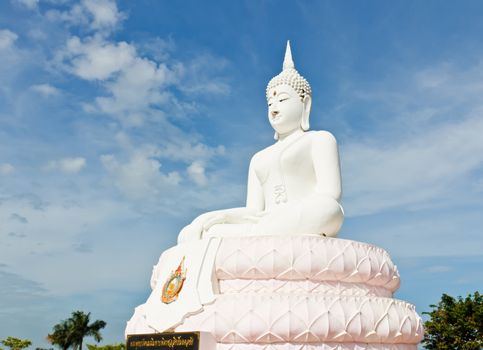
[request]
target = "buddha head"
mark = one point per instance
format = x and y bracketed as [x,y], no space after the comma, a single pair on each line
[289,99]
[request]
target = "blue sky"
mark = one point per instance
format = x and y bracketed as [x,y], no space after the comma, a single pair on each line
[122,121]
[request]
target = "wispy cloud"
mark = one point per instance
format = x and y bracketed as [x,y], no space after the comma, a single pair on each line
[94,58]
[140,177]
[199,76]
[196,171]
[6,169]
[105,13]
[141,93]
[95,15]
[29,4]
[438,269]
[430,151]
[46,89]
[67,165]
[423,169]
[7,39]
[59,229]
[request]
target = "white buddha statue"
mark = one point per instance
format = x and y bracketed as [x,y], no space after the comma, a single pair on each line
[280,292]
[294,185]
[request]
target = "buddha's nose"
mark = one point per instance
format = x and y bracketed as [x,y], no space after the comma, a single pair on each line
[274,113]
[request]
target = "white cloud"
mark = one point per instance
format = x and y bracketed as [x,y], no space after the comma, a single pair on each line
[196,171]
[186,150]
[415,171]
[433,78]
[96,59]
[53,234]
[140,173]
[140,177]
[104,12]
[72,165]
[157,48]
[429,151]
[15,60]
[122,70]
[67,165]
[75,16]
[46,90]
[438,269]
[37,34]
[7,39]
[30,4]
[137,92]
[6,169]
[95,15]
[200,76]
[143,76]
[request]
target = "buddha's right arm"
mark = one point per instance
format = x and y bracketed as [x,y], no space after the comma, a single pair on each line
[203,222]
[253,209]
[249,214]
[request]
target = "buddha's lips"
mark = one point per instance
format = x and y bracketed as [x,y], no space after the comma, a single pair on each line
[275,117]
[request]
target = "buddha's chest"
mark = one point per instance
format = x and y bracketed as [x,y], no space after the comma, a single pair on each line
[287,171]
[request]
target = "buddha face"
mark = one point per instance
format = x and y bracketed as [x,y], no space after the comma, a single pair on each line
[286,111]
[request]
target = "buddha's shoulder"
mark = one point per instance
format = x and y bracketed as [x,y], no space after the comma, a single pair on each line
[262,156]
[321,136]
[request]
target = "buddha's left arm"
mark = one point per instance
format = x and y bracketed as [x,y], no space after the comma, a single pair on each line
[326,165]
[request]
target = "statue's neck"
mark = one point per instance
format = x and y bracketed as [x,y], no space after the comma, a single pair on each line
[289,135]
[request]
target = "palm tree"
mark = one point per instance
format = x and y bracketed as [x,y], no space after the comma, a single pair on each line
[81,328]
[71,332]
[61,335]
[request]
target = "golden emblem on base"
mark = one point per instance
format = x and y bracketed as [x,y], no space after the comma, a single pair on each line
[173,285]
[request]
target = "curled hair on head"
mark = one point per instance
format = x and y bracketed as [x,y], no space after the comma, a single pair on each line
[291,77]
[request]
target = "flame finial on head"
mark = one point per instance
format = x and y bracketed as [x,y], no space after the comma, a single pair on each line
[288,61]
[290,76]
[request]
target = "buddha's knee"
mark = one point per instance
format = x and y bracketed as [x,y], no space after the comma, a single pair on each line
[189,233]
[322,215]
[194,230]
[229,230]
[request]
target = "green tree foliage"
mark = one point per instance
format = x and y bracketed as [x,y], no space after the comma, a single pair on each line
[16,343]
[72,331]
[61,335]
[455,324]
[119,346]
[82,328]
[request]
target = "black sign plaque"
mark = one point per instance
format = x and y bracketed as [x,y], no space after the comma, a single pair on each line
[164,341]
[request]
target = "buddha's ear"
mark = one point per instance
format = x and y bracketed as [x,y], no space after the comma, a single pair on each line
[275,136]
[304,123]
